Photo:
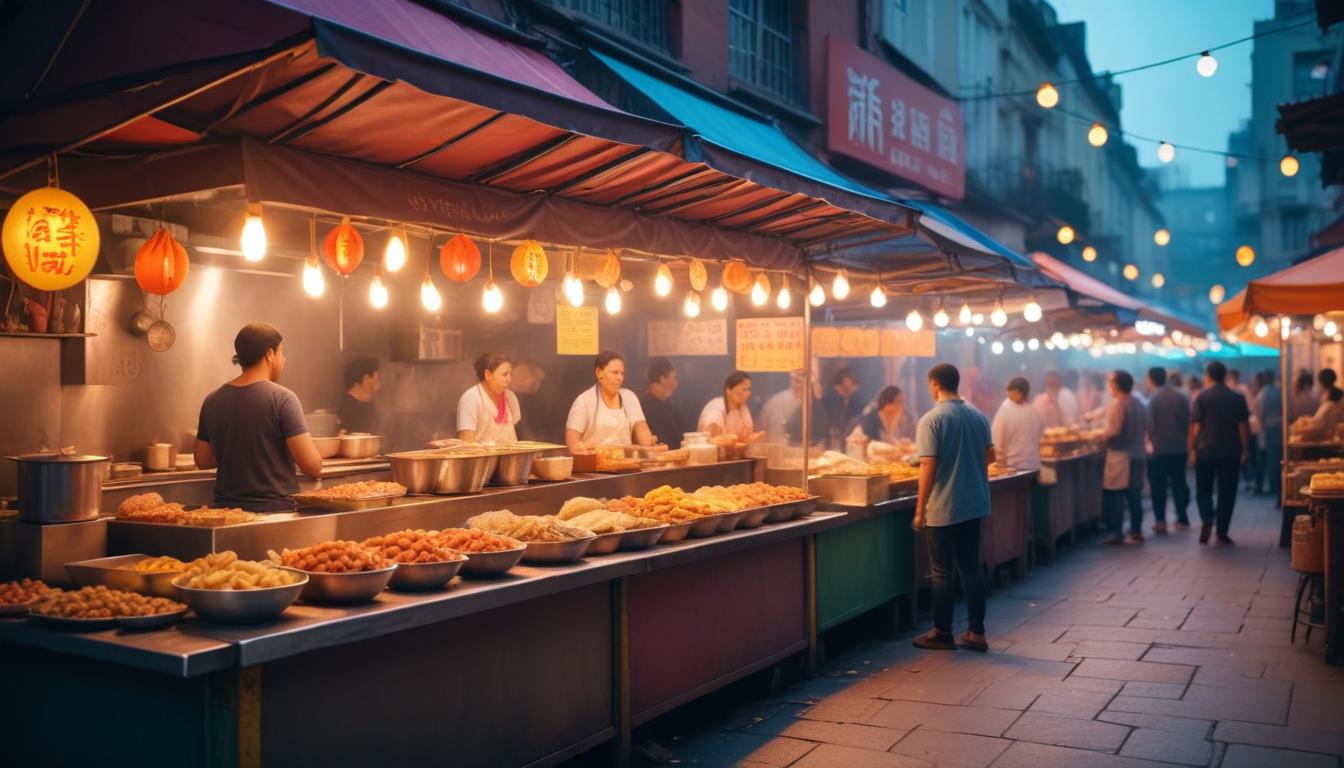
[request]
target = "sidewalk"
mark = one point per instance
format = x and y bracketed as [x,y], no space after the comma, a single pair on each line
[1168,653]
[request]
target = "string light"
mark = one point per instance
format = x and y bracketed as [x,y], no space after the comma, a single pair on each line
[914,321]
[1165,152]
[1097,135]
[573,289]
[1089,254]
[1289,166]
[760,290]
[662,282]
[1245,255]
[997,347]
[1065,235]
[1032,312]
[878,298]
[979,318]
[718,298]
[253,240]
[1206,65]
[840,286]
[964,316]
[1158,280]
[1058,340]
[429,295]
[378,292]
[1033,344]
[1131,272]
[612,301]
[313,284]
[1216,294]
[998,318]
[1285,329]
[1318,322]
[940,317]
[817,296]
[784,299]
[692,304]
[1018,345]
[1331,328]
[1047,95]
[492,299]
[1261,328]
[394,254]
[1162,236]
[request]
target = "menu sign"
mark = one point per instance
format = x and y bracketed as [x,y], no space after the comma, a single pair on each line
[680,338]
[903,343]
[575,330]
[878,116]
[770,344]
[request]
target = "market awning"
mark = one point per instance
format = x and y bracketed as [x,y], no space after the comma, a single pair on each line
[1091,290]
[1313,125]
[1315,286]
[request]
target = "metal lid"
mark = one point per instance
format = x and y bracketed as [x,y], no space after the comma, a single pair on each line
[60,458]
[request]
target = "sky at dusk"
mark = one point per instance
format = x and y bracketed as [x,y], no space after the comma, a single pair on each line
[1173,103]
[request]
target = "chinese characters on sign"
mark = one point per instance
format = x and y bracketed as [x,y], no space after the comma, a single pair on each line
[880,117]
[50,239]
[674,338]
[770,344]
[575,330]
[853,341]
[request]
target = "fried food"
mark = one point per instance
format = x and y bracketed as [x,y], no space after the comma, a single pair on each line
[139,503]
[896,471]
[223,570]
[164,514]
[609,521]
[23,591]
[365,489]
[750,495]
[333,557]
[163,564]
[527,528]
[1333,481]
[99,602]
[577,506]
[412,546]
[205,517]
[468,541]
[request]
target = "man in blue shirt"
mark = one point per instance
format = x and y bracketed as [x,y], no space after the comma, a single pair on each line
[955,451]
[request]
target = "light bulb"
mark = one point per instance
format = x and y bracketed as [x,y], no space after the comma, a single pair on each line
[964,316]
[1057,338]
[394,255]
[1330,328]
[254,237]
[1131,272]
[1097,135]
[1216,294]
[492,299]
[997,347]
[662,283]
[429,295]
[377,292]
[1158,280]
[692,304]
[1284,330]
[978,318]
[970,331]
[1018,345]
[573,288]
[1261,328]
[1047,95]
[784,299]
[817,296]
[940,317]
[878,298]
[1050,345]
[613,301]
[1089,253]
[914,321]
[1032,312]
[1165,152]
[998,318]
[1318,322]
[1206,65]
[1065,235]
[718,298]
[1245,255]
[760,290]
[1162,236]
[1288,166]
[313,284]
[840,285]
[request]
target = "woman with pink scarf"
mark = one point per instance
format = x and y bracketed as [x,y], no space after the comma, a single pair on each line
[487,412]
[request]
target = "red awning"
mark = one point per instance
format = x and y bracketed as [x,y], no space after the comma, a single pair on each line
[1313,287]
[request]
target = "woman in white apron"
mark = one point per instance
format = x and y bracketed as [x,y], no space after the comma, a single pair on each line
[487,412]
[728,414]
[606,414]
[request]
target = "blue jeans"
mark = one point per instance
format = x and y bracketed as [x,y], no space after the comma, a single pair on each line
[955,549]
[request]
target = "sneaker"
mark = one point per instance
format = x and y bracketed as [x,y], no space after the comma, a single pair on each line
[1182,525]
[1225,541]
[1205,531]
[933,640]
[1160,529]
[973,642]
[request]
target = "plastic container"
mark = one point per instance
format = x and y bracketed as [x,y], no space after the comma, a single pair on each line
[702,454]
[694,438]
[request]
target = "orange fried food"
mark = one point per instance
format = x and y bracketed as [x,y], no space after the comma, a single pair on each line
[23,591]
[412,546]
[334,557]
[468,540]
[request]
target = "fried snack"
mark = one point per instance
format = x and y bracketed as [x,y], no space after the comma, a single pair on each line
[1333,481]
[205,517]
[165,514]
[750,495]
[609,521]
[24,591]
[527,528]
[223,570]
[99,602]
[365,489]
[333,557]
[163,564]
[139,503]
[468,541]
[577,506]
[412,546]
[897,472]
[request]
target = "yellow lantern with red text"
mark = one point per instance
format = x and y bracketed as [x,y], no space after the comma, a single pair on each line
[50,239]
[529,264]
[161,264]
[343,248]
[460,259]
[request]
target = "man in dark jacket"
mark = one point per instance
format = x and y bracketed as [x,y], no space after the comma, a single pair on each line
[1168,429]
[1219,437]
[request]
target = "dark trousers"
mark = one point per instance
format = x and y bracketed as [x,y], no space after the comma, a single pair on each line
[1168,473]
[1113,503]
[1273,466]
[955,549]
[1250,473]
[1223,473]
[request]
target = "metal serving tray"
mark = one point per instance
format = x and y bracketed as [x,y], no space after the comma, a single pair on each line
[752,518]
[309,501]
[605,543]
[119,573]
[708,525]
[642,538]
[852,490]
[675,532]
[356,587]
[157,621]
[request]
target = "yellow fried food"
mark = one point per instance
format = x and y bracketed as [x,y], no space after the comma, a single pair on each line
[163,564]
[139,503]
[527,528]
[206,517]
[365,489]
[223,570]
[99,602]
[577,506]
[610,521]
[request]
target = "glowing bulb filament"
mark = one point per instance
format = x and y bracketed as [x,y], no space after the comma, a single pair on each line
[313,284]
[254,237]
[719,299]
[492,299]
[612,302]
[429,295]
[878,298]
[840,285]
[662,283]
[817,296]
[378,292]
[394,255]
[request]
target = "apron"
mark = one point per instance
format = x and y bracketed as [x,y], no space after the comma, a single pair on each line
[1115,476]
[486,428]
[609,426]
[737,423]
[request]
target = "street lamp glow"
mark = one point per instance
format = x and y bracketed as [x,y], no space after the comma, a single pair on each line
[1162,236]
[1216,294]
[1065,235]
[612,301]
[1165,152]
[914,321]
[1206,65]
[662,282]
[878,298]
[1131,272]
[1245,255]
[1089,254]
[1047,95]
[840,285]
[1158,280]
[1097,135]
[1288,166]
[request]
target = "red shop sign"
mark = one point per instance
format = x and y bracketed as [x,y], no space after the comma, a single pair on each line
[880,117]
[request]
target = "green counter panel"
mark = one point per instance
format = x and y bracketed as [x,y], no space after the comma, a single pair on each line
[863,565]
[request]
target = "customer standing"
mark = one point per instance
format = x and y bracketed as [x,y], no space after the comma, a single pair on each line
[955,451]
[1271,434]
[1168,427]
[1123,481]
[1304,400]
[1219,436]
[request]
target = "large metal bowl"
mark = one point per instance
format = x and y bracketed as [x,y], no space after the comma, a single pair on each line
[358,445]
[707,525]
[641,538]
[119,573]
[513,468]
[357,587]
[241,606]
[555,552]
[464,474]
[605,543]
[752,518]
[417,470]
[327,447]
[418,577]
[675,532]
[730,520]
[492,564]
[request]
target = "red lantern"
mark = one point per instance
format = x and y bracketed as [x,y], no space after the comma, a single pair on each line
[343,248]
[460,259]
[161,264]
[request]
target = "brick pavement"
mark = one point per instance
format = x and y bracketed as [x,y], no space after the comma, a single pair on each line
[1164,654]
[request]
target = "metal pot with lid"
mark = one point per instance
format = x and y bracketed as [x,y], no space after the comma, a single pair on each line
[60,486]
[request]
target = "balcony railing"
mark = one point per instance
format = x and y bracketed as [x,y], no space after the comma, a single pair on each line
[642,20]
[1041,191]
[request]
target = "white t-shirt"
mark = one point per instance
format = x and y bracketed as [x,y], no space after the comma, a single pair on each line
[1017,431]
[595,426]
[1060,411]
[775,415]
[477,413]
[737,423]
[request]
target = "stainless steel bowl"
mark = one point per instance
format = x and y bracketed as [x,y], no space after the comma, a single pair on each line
[641,538]
[464,474]
[553,467]
[119,573]
[492,564]
[780,513]
[357,587]
[605,543]
[151,622]
[752,518]
[418,577]
[555,552]
[327,447]
[241,606]
[358,445]
[707,525]
[417,470]
[675,532]
[513,468]
[730,520]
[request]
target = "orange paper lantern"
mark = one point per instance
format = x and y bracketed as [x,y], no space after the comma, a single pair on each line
[50,239]
[699,276]
[529,264]
[737,278]
[343,248]
[460,259]
[609,273]
[161,264]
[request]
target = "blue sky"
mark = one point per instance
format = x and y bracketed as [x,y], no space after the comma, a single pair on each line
[1174,103]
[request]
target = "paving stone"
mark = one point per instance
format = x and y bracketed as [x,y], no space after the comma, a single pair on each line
[1203,703]
[1068,732]
[1212,624]
[836,756]
[853,710]
[935,689]
[1124,634]
[1110,649]
[779,751]
[845,734]
[1168,747]
[1036,631]
[1219,677]
[1303,739]
[1138,671]
[1243,756]
[1154,690]
[1041,651]
[981,721]
[958,750]
[1084,706]
[1094,615]
[1185,725]
[1024,754]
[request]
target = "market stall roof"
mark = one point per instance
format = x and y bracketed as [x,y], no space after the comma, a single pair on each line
[1313,125]
[1313,287]
[1092,290]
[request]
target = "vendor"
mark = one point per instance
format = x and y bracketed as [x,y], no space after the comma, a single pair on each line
[252,430]
[607,414]
[489,411]
[362,382]
[890,422]
[664,418]
[728,414]
[1331,411]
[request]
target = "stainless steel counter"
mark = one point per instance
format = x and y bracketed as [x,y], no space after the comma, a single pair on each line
[195,487]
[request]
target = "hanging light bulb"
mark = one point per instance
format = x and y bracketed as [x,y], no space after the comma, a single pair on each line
[1331,328]
[784,299]
[1318,322]
[1065,235]
[662,282]
[1206,65]
[1089,254]
[978,318]
[1289,166]
[1165,152]
[612,302]
[997,347]
[1047,95]
[817,296]
[378,292]
[1131,272]
[914,321]
[940,317]
[760,290]
[573,288]
[1158,280]
[692,304]
[1245,255]
[429,295]
[492,299]
[1097,135]
[1162,236]
[878,298]
[1032,312]
[253,240]
[840,285]
[394,255]
[718,298]
[970,331]
[1216,294]
[1284,330]
[1057,338]
[998,318]
[313,284]
[1018,345]
[1261,328]
[964,316]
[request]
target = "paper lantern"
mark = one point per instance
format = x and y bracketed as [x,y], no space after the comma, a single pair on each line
[50,239]
[343,248]
[161,264]
[737,278]
[460,259]
[609,273]
[528,264]
[699,276]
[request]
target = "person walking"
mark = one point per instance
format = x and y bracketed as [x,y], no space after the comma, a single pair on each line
[955,451]
[1125,453]
[1219,437]
[1168,426]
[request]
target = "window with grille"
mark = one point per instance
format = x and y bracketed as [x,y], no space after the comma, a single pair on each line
[760,45]
[642,20]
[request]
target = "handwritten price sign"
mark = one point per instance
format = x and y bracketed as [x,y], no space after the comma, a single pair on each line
[770,344]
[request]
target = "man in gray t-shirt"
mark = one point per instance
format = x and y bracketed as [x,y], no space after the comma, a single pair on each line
[252,430]
[955,451]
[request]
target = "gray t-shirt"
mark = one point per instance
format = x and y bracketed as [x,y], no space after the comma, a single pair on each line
[1168,422]
[958,435]
[247,428]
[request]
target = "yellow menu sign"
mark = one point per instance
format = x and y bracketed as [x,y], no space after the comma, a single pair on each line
[770,344]
[901,343]
[575,330]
